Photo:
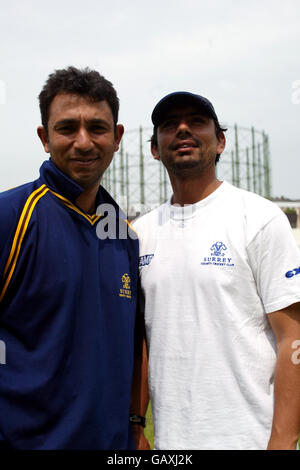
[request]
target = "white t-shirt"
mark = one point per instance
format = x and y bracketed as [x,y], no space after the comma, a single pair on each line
[210,272]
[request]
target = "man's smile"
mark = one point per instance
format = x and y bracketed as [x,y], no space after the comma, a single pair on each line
[84,161]
[184,145]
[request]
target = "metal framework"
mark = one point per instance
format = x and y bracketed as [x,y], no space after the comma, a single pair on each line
[140,183]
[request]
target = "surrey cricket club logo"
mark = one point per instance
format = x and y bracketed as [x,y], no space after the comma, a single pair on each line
[219,255]
[217,248]
[125,291]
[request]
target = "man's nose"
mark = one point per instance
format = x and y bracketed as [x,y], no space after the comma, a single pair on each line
[183,127]
[83,141]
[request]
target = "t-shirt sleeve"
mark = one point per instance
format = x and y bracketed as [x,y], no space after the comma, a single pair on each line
[275,260]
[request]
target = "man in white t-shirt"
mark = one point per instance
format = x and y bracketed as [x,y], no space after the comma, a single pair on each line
[220,285]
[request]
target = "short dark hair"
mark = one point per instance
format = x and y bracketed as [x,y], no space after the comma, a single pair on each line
[218,129]
[85,82]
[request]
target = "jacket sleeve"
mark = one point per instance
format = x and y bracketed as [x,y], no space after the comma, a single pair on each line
[8,224]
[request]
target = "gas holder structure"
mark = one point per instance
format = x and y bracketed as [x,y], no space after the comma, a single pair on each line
[139,183]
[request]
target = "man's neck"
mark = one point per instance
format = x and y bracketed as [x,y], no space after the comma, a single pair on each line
[87,200]
[192,190]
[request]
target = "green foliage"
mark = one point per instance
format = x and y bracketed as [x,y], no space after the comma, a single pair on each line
[290,210]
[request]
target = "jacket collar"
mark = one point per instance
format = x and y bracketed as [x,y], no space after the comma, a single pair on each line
[57,181]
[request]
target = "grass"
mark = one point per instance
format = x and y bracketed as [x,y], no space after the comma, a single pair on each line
[149,433]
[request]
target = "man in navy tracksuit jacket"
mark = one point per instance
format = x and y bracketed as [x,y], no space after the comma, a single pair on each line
[67,296]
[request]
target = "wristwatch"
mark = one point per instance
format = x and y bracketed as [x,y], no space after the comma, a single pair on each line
[136,419]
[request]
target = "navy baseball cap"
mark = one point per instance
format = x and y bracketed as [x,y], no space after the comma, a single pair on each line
[181,97]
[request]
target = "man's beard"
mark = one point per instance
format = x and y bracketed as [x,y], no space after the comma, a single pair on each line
[190,167]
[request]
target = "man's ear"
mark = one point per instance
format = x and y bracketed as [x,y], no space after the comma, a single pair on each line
[118,136]
[154,151]
[41,132]
[221,143]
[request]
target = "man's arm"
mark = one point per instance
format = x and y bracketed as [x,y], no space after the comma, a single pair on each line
[139,392]
[286,419]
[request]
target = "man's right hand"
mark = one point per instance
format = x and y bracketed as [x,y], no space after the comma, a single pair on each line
[140,440]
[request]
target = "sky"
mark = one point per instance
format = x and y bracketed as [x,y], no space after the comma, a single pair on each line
[243,56]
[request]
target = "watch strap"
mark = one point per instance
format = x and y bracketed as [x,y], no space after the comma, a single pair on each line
[136,419]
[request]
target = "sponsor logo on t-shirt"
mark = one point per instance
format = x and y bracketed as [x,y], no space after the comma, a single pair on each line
[145,260]
[293,272]
[217,256]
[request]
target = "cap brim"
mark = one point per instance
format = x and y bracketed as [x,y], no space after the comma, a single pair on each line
[178,98]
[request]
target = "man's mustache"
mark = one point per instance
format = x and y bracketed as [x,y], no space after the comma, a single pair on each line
[178,142]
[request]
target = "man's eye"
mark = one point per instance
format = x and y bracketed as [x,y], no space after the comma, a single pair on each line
[200,119]
[66,129]
[169,124]
[97,129]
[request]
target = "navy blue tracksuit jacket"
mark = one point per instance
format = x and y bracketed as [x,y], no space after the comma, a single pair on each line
[67,316]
